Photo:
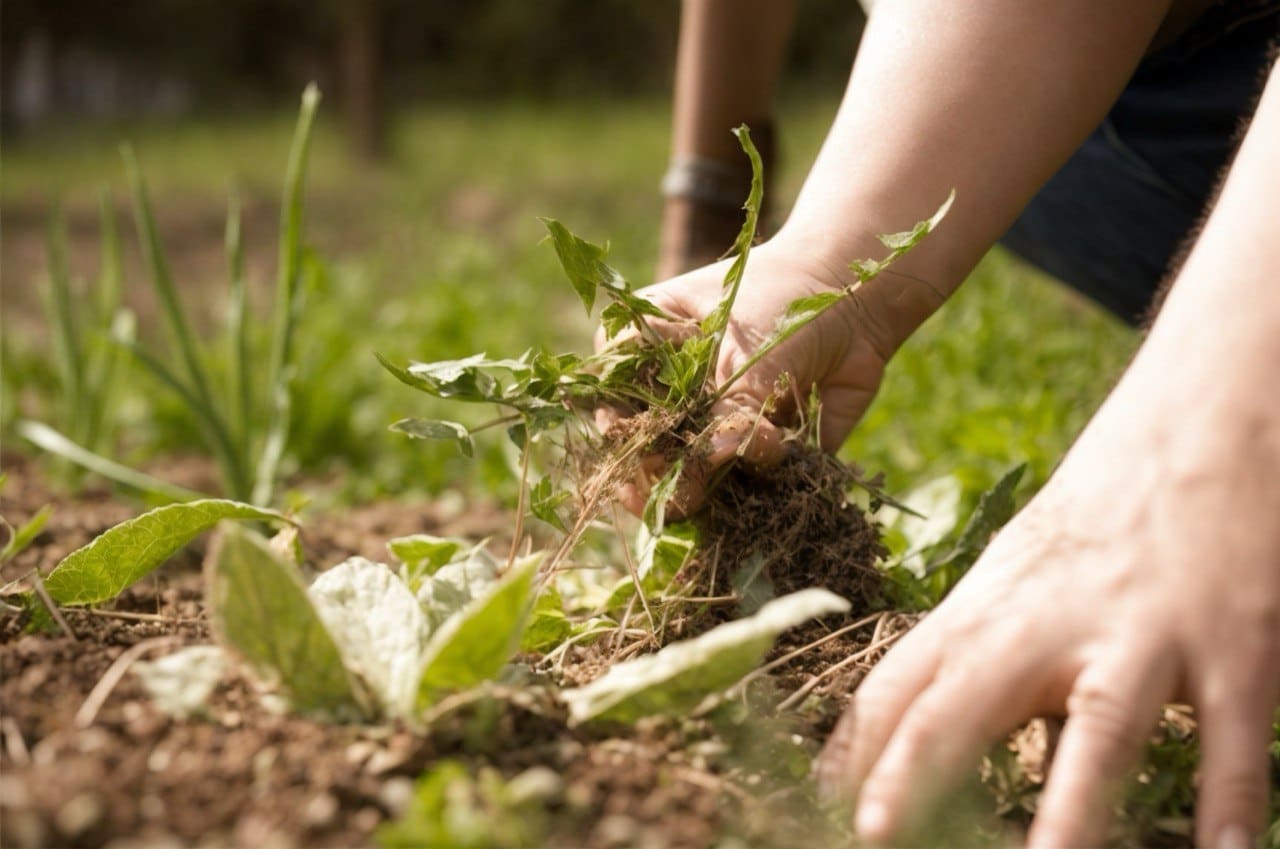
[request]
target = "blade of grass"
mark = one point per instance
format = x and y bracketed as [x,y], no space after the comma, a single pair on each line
[69,357]
[104,366]
[43,436]
[239,408]
[233,467]
[288,290]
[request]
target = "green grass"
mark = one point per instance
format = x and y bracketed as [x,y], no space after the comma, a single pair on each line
[438,254]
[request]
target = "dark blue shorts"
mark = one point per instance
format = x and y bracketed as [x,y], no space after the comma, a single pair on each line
[1112,220]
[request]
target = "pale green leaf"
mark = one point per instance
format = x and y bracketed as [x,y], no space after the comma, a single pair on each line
[180,683]
[260,608]
[474,644]
[456,584]
[676,679]
[128,552]
[436,429]
[380,626]
[936,508]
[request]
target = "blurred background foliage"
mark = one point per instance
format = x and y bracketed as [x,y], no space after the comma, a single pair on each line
[446,129]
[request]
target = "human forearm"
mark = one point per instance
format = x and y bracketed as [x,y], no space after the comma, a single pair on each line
[989,98]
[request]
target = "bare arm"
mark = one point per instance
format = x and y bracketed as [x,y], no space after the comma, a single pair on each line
[1147,570]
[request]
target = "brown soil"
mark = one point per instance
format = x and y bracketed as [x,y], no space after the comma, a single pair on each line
[127,774]
[795,521]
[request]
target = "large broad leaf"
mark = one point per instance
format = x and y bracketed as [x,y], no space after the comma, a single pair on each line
[260,608]
[680,676]
[131,550]
[378,622]
[474,644]
[456,584]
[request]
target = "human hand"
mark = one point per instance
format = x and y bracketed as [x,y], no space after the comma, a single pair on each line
[1146,571]
[842,353]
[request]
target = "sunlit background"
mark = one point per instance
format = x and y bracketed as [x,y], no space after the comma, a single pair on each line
[445,129]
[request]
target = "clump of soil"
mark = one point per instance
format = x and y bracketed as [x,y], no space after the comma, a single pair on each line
[795,524]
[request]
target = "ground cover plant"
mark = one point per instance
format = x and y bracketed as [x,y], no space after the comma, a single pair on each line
[516,739]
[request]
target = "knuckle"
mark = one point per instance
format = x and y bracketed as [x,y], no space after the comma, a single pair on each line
[1108,717]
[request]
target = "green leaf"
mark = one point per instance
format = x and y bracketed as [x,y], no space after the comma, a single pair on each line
[545,499]
[129,552]
[260,608]
[654,514]
[474,644]
[908,239]
[718,319]
[376,619]
[457,583]
[548,625]
[22,537]
[423,554]
[676,679]
[995,507]
[583,263]
[752,585]
[438,429]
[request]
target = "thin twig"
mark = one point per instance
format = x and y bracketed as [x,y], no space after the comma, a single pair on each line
[130,615]
[635,575]
[792,655]
[805,689]
[98,696]
[37,583]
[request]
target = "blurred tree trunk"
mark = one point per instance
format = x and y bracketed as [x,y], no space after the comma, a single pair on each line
[360,55]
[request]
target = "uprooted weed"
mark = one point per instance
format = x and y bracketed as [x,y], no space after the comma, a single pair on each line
[762,532]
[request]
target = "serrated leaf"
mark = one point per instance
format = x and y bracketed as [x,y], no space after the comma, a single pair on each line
[260,608]
[676,679]
[130,551]
[715,322]
[474,644]
[583,263]
[438,429]
[995,507]
[180,683]
[380,626]
[908,239]
[545,499]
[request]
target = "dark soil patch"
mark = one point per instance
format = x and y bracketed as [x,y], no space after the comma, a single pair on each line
[794,523]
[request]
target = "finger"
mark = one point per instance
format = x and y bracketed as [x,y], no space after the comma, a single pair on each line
[1235,714]
[842,408]
[879,702]
[942,735]
[1111,710]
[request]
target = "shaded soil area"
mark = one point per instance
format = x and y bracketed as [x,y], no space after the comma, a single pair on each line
[88,760]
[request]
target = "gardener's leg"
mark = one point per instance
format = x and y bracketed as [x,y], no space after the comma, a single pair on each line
[727,70]
[1112,220]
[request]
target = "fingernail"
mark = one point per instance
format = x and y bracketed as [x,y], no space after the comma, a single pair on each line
[1234,836]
